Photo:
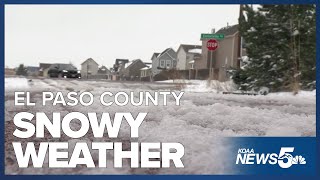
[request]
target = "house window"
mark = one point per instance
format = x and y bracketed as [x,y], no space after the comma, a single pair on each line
[192,66]
[162,63]
[168,64]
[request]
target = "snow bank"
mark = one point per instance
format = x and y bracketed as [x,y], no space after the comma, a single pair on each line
[16,84]
[303,94]
[203,85]
[209,86]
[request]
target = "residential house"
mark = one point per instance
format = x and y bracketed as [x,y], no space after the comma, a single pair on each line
[102,73]
[227,55]
[196,55]
[185,56]
[154,56]
[103,70]
[32,70]
[88,68]
[164,61]
[146,72]
[9,71]
[132,70]
[43,69]
[118,68]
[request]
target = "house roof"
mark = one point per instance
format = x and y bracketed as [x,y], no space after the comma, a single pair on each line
[187,47]
[132,62]
[44,65]
[33,68]
[155,54]
[229,30]
[103,68]
[164,51]
[121,60]
[195,51]
[145,68]
[89,59]
[148,66]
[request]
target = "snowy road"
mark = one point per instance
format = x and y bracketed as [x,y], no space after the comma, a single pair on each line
[205,115]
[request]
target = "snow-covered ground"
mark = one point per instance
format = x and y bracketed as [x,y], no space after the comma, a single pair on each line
[202,86]
[204,117]
[16,84]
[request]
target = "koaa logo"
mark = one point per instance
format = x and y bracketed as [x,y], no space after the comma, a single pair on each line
[284,159]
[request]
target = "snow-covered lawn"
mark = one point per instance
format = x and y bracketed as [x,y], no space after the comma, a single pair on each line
[16,84]
[204,117]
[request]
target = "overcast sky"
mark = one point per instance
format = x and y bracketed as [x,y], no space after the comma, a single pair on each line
[73,33]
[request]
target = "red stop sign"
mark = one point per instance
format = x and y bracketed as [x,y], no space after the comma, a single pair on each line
[212,44]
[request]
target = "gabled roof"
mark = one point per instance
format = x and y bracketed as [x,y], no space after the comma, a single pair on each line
[103,70]
[44,65]
[103,67]
[155,54]
[89,59]
[145,68]
[187,47]
[132,62]
[229,30]
[166,50]
[148,66]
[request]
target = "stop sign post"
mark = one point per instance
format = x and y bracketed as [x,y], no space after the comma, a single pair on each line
[212,45]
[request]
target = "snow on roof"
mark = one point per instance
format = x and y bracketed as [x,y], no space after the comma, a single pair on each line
[197,51]
[148,66]
[128,64]
[187,47]
[229,30]
[145,68]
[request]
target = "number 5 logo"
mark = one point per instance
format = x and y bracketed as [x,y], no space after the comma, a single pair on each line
[285,159]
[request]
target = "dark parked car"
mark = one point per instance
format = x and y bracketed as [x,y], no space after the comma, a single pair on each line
[63,71]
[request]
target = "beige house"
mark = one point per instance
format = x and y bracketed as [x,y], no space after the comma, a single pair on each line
[226,57]
[88,68]
[186,54]
[44,68]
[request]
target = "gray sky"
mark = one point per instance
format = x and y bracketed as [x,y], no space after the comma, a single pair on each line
[73,33]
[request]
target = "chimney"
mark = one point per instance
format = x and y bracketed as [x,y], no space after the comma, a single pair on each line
[213,30]
[227,24]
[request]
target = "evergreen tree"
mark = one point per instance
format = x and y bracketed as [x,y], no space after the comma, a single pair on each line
[21,71]
[280,44]
[307,42]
